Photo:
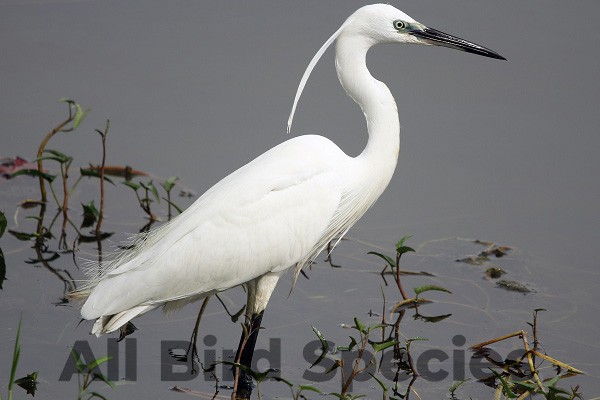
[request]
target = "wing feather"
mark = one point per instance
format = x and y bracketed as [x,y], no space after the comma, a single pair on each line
[271,214]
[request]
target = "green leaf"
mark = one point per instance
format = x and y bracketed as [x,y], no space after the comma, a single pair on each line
[150,186]
[505,386]
[154,191]
[44,158]
[420,289]
[78,363]
[404,249]
[175,206]
[169,183]
[350,346]
[90,214]
[2,269]
[90,208]
[93,173]
[29,383]
[400,243]
[22,236]
[3,223]
[91,366]
[409,303]
[416,339]
[401,249]
[527,385]
[35,173]
[98,395]
[132,185]
[261,376]
[279,379]
[379,346]
[456,384]
[335,366]
[434,318]
[324,344]
[310,388]
[16,354]
[552,382]
[376,326]
[380,382]
[104,379]
[391,262]
[58,156]
[80,114]
[359,326]
[94,363]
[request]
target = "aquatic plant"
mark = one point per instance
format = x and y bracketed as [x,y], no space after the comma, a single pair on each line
[28,382]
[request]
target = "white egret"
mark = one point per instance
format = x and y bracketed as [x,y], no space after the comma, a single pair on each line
[278,211]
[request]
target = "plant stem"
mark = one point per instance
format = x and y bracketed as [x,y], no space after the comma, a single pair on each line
[363,344]
[258,389]
[398,283]
[64,170]
[65,177]
[101,212]
[193,343]
[43,144]
[15,362]
[498,339]
[530,360]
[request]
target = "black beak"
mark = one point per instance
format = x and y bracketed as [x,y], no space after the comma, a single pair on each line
[438,38]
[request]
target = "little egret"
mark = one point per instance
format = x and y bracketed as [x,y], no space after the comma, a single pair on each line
[278,211]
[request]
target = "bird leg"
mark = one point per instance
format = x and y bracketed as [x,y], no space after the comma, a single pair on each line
[258,291]
[243,380]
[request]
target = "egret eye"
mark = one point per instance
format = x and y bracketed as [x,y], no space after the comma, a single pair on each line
[399,24]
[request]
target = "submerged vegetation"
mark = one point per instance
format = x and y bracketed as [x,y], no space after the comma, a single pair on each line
[371,348]
[89,230]
[28,382]
[522,378]
[88,373]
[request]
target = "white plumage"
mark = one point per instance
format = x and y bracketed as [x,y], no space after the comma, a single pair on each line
[278,211]
[235,231]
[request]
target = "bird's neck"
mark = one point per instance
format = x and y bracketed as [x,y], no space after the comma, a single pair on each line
[376,102]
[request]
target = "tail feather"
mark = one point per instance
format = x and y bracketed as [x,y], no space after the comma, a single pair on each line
[109,323]
[79,295]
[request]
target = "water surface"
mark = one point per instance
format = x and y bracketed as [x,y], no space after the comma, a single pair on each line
[498,151]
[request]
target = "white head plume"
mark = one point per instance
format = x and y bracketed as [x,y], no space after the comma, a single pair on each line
[309,69]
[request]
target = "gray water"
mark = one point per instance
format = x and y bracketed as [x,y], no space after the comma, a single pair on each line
[498,151]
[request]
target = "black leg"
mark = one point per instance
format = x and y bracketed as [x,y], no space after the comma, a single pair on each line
[244,356]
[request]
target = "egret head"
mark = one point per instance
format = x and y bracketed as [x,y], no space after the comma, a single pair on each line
[384,23]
